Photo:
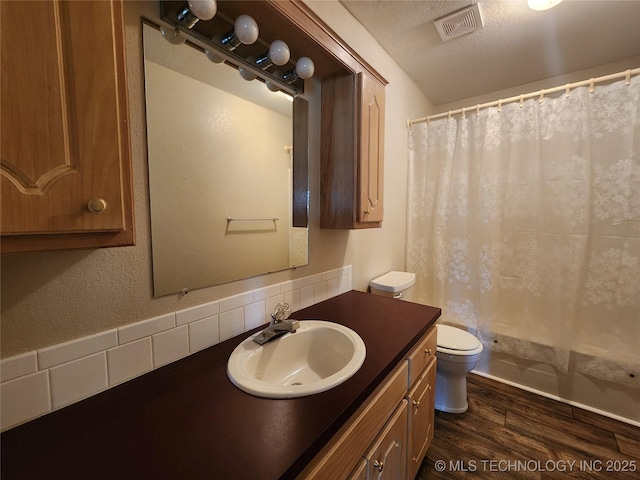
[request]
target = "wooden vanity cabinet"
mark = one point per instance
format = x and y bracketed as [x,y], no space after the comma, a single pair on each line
[360,472]
[352,151]
[386,460]
[345,451]
[66,168]
[421,397]
[388,436]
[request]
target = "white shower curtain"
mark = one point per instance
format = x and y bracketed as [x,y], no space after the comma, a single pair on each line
[524,226]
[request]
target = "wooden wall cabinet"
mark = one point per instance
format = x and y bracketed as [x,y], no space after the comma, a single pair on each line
[65,132]
[352,151]
[388,437]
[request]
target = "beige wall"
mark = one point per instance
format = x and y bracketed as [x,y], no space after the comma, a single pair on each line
[48,298]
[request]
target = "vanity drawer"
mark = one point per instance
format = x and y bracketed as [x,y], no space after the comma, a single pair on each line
[343,452]
[422,354]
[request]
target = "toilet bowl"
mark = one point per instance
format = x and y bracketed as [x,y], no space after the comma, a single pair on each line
[458,353]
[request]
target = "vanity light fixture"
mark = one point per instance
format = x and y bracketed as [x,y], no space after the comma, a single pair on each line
[247,74]
[172,35]
[213,56]
[271,86]
[540,5]
[304,69]
[278,54]
[245,31]
[196,10]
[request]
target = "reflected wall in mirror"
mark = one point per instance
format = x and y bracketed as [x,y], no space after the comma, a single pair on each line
[221,171]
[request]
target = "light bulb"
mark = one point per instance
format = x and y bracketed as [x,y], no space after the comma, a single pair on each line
[197,10]
[305,68]
[247,74]
[279,52]
[203,9]
[271,86]
[213,56]
[246,29]
[172,36]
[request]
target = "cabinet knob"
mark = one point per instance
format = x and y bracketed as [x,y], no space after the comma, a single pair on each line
[367,211]
[97,205]
[378,465]
[415,403]
[427,351]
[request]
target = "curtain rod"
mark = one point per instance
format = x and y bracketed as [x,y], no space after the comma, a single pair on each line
[520,98]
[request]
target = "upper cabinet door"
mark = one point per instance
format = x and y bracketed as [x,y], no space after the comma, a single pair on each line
[352,152]
[371,149]
[65,166]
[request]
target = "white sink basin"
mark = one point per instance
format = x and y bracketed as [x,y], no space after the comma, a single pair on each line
[316,358]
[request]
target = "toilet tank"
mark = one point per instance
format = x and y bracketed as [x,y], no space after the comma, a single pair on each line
[394,284]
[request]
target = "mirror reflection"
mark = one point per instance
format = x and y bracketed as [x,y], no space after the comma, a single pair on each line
[220,171]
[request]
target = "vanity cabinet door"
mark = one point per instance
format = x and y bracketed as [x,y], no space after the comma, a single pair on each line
[387,458]
[360,472]
[421,417]
[66,180]
[422,355]
[352,152]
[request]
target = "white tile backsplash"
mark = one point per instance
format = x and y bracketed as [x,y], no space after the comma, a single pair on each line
[24,398]
[139,330]
[307,296]
[332,287]
[75,349]
[203,333]
[129,360]
[319,292]
[254,315]
[197,313]
[237,301]
[312,279]
[78,379]
[231,323]
[330,274]
[170,346]
[38,382]
[18,366]
[293,299]
[266,292]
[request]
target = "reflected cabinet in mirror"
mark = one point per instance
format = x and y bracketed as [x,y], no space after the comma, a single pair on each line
[228,193]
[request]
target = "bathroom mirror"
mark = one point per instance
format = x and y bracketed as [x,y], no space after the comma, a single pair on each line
[228,195]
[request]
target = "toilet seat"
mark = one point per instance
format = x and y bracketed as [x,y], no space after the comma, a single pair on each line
[455,341]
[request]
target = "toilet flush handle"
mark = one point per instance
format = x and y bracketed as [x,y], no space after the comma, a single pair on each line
[398,295]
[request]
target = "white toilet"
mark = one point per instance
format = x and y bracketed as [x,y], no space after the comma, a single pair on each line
[394,284]
[458,353]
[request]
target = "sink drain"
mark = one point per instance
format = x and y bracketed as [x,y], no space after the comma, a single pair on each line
[296,383]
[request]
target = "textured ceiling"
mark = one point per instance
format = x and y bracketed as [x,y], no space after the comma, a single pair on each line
[516,46]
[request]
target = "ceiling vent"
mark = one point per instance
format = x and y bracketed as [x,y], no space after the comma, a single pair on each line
[459,23]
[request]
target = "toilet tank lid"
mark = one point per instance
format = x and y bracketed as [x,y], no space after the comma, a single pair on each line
[455,338]
[394,281]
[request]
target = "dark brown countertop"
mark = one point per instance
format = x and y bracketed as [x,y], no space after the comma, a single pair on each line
[188,421]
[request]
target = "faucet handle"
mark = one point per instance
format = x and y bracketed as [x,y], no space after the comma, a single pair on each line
[281,312]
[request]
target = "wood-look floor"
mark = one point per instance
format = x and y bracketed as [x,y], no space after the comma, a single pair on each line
[509,433]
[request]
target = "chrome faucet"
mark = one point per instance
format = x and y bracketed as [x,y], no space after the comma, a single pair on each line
[279,326]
